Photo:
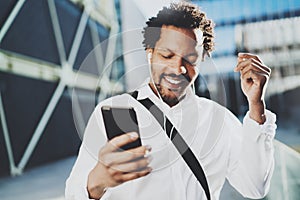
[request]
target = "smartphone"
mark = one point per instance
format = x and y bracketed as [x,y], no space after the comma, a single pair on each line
[118,121]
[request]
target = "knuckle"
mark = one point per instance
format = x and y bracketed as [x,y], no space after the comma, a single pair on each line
[112,172]
[139,151]
[143,150]
[103,150]
[119,179]
[105,160]
[101,155]
[112,142]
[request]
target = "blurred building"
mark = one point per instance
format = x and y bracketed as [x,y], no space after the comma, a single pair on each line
[42,46]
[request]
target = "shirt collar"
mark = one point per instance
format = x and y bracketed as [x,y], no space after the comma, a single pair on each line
[145,91]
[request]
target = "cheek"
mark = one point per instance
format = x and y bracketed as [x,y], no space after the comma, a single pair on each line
[157,70]
[192,73]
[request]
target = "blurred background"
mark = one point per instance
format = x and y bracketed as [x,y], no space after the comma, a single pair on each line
[53,49]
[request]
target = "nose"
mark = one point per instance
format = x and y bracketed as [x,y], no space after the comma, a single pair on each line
[177,65]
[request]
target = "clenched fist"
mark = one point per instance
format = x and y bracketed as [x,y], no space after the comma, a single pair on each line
[254,79]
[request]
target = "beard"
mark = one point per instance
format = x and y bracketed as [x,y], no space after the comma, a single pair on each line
[172,97]
[171,100]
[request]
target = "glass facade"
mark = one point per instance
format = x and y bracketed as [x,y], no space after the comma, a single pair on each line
[270,29]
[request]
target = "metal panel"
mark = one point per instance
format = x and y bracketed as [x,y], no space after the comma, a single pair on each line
[44,42]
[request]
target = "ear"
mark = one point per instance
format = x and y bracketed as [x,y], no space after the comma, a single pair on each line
[149,55]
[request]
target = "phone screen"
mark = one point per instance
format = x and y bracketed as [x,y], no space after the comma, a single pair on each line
[118,121]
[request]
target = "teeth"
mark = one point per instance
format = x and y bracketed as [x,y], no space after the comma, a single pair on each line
[172,80]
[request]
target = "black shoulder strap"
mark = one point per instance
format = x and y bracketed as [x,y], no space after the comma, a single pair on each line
[178,142]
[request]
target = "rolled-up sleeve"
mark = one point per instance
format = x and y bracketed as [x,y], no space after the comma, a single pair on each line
[251,161]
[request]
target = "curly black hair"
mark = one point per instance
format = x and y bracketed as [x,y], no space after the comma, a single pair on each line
[181,15]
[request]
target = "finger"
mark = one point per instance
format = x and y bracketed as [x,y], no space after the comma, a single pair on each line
[242,65]
[248,55]
[119,141]
[254,64]
[256,68]
[133,166]
[133,175]
[260,65]
[255,77]
[116,158]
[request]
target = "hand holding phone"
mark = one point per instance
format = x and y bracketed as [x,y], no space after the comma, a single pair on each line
[116,167]
[118,121]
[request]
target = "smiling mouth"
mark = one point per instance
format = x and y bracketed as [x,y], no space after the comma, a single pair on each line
[172,81]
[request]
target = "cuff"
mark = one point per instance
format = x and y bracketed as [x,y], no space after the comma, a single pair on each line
[267,129]
[78,193]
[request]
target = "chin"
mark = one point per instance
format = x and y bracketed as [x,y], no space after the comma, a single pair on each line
[169,97]
[170,101]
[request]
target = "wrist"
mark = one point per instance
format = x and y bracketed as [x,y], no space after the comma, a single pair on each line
[257,111]
[95,188]
[256,103]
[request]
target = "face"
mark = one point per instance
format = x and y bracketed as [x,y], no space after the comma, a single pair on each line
[175,49]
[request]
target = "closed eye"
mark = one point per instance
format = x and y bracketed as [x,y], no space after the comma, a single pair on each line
[167,56]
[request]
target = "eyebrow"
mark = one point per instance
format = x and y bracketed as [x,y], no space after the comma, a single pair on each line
[192,54]
[171,51]
[165,49]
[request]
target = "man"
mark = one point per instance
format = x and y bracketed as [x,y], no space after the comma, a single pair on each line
[242,153]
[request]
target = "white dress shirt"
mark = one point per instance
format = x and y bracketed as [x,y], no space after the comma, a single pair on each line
[242,153]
